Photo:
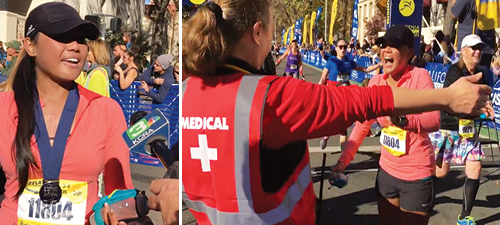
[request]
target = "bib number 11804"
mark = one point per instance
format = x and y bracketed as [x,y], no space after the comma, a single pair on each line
[39,210]
[392,142]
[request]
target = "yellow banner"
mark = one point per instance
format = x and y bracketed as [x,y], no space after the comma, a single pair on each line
[304,30]
[332,21]
[311,25]
[292,28]
[284,37]
[488,12]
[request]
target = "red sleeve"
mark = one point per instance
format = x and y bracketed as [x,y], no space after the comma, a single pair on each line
[117,165]
[298,110]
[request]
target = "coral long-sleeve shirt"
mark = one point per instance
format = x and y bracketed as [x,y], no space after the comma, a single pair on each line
[418,162]
[95,145]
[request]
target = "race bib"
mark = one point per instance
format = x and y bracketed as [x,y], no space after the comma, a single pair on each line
[68,211]
[293,66]
[394,140]
[466,128]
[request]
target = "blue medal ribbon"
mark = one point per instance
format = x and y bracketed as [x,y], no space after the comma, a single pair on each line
[52,156]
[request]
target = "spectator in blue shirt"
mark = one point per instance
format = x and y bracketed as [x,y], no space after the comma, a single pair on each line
[339,68]
[160,77]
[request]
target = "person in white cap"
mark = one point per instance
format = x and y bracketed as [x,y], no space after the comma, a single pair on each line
[158,78]
[455,142]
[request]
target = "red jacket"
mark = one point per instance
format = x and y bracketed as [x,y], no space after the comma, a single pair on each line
[233,123]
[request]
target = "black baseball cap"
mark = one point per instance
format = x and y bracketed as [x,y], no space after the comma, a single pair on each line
[397,36]
[54,18]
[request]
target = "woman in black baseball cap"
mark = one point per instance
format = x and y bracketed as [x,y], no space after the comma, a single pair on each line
[56,136]
[405,183]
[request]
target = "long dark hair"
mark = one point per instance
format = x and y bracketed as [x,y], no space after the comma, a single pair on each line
[25,95]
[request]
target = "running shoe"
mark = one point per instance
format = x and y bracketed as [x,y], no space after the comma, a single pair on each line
[323,142]
[468,220]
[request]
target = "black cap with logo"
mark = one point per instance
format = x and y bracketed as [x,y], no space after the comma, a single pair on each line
[397,36]
[55,18]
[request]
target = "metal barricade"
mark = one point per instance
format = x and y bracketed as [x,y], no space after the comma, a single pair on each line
[132,100]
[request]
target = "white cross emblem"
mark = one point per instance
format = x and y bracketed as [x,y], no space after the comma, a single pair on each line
[204,153]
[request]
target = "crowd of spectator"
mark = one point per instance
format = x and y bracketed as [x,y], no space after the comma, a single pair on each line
[440,50]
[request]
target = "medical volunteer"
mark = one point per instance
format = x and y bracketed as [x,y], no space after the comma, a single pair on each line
[245,155]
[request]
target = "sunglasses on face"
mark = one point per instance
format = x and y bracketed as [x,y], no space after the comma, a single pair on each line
[477,47]
[342,46]
[384,44]
[73,35]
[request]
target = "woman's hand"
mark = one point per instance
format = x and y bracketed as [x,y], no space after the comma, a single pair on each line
[339,167]
[488,110]
[118,69]
[144,86]
[165,198]
[110,216]
[158,81]
[465,97]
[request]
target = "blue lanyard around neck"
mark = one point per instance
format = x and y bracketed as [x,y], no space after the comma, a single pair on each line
[52,156]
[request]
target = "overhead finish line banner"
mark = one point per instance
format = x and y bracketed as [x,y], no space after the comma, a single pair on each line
[408,13]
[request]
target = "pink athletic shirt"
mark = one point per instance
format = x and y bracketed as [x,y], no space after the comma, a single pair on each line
[418,162]
[95,144]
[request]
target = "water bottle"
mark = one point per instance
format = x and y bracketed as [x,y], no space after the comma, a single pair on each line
[338,179]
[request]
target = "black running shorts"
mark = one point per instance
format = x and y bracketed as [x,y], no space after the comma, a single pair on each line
[413,195]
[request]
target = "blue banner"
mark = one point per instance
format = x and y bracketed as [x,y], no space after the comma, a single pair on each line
[437,72]
[408,13]
[354,28]
[495,101]
[282,35]
[296,30]
[318,13]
